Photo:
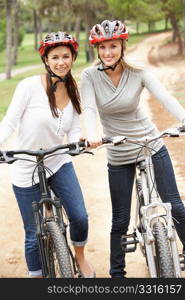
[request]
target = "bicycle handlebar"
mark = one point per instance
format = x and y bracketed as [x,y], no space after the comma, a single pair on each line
[73,149]
[117,140]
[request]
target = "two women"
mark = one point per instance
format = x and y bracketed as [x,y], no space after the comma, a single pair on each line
[113,88]
[46,108]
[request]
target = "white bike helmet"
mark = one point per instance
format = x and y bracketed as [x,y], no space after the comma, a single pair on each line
[56,38]
[108,30]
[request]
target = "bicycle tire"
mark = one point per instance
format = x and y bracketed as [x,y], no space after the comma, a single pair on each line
[164,260]
[59,263]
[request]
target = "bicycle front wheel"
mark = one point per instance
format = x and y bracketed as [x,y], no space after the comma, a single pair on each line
[58,257]
[163,255]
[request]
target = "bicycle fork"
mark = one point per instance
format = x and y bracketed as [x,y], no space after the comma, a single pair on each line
[39,238]
[149,238]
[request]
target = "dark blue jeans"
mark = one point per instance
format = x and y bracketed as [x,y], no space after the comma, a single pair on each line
[121,180]
[65,185]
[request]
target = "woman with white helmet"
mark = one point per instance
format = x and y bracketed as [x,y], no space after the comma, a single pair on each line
[47,107]
[113,88]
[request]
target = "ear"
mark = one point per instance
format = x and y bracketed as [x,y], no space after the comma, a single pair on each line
[46,61]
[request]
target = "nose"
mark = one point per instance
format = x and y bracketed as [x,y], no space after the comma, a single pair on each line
[61,61]
[107,51]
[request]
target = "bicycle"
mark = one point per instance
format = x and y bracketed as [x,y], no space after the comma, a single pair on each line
[57,259]
[154,228]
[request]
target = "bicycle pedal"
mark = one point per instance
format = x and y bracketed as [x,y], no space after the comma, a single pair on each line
[182,261]
[129,242]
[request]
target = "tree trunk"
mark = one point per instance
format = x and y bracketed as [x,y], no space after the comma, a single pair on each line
[8,38]
[77,27]
[69,27]
[35,25]
[137,28]
[184,20]
[15,31]
[176,32]
[151,26]
[39,23]
[89,50]
[89,22]
[166,24]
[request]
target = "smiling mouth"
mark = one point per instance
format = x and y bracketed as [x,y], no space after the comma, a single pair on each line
[108,58]
[63,69]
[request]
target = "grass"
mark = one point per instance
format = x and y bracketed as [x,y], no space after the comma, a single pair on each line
[143,27]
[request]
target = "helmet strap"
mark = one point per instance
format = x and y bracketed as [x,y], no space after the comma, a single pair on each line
[113,67]
[60,79]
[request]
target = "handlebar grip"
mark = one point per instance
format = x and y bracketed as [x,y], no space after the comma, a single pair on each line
[1,157]
[83,144]
[106,140]
[182,129]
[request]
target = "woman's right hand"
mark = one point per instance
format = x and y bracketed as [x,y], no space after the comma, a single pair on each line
[94,142]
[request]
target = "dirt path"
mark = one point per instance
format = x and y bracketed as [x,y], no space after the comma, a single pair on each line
[92,173]
[19,71]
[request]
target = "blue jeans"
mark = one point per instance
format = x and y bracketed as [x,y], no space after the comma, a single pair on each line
[121,180]
[65,185]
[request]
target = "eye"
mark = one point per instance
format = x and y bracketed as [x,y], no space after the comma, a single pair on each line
[101,47]
[54,57]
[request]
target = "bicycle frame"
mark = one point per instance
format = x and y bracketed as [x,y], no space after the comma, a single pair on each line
[152,209]
[153,218]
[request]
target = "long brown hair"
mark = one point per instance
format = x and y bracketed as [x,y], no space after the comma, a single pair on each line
[71,86]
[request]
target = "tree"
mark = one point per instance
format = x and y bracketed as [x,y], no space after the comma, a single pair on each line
[16,7]
[183,9]
[9,37]
[173,10]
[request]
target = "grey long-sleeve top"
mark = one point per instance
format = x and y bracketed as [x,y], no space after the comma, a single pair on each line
[120,111]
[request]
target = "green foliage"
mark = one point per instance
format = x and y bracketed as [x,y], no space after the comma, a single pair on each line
[136,10]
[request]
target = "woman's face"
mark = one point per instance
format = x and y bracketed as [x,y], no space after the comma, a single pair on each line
[110,51]
[60,60]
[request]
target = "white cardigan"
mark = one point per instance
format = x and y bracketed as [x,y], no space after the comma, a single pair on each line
[37,128]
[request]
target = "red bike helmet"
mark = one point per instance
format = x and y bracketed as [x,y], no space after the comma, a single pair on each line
[57,38]
[108,30]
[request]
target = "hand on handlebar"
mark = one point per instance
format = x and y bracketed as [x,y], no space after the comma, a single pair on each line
[94,142]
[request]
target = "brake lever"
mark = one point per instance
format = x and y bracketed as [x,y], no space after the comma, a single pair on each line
[88,152]
[182,129]
[78,151]
[8,159]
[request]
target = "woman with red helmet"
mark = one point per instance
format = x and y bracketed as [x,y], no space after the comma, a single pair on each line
[114,88]
[47,107]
